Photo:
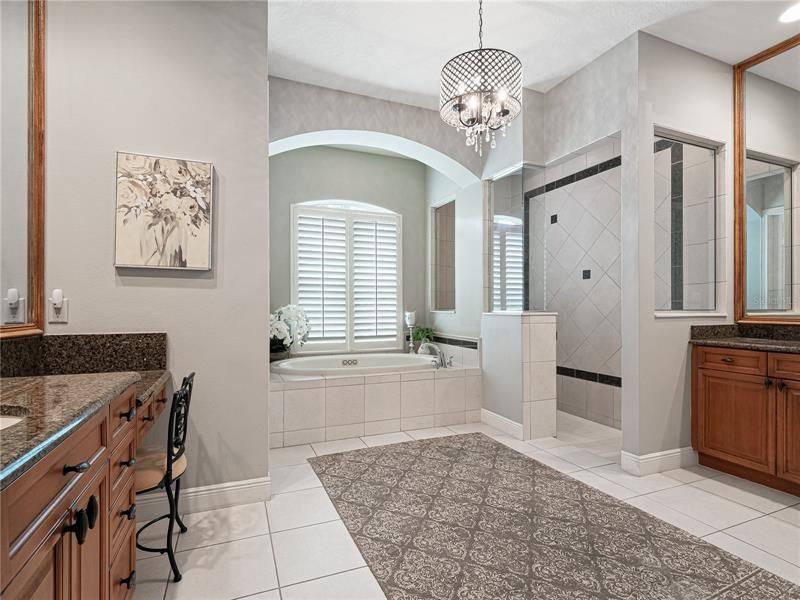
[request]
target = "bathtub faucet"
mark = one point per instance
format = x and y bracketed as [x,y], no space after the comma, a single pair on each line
[429,348]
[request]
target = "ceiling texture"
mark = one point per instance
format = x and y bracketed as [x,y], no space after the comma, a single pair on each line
[395,49]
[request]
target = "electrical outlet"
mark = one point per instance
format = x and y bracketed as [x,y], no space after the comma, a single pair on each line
[58,315]
[17,315]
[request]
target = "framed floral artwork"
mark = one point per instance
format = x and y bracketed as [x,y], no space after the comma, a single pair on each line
[164,208]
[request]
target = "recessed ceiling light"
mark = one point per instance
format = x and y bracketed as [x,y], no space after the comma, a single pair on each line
[791,14]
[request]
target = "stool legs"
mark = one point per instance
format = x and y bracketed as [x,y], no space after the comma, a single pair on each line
[170,549]
[178,519]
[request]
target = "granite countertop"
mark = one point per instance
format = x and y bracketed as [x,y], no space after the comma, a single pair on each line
[55,405]
[749,343]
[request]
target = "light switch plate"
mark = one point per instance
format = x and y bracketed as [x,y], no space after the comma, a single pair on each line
[17,316]
[58,316]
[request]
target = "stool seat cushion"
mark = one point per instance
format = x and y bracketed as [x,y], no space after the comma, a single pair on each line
[151,466]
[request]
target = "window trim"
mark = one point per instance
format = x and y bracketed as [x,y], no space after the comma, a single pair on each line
[348,215]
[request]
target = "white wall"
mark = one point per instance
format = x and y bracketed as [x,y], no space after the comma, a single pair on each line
[466,319]
[14,147]
[322,173]
[185,79]
[772,118]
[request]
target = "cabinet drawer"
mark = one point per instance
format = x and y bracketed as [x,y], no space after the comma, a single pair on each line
[122,414]
[33,504]
[784,366]
[728,359]
[122,513]
[122,574]
[121,463]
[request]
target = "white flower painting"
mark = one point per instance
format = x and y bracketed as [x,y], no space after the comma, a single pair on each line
[163,212]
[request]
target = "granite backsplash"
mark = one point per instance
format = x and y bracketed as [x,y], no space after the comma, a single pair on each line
[764,332]
[85,353]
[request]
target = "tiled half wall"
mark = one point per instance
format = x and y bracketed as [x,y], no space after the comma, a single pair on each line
[574,249]
[305,410]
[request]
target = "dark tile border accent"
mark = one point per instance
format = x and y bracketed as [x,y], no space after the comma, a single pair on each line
[612,380]
[439,339]
[582,174]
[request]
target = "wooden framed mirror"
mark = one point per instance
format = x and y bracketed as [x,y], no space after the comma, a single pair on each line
[767,186]
[22,275]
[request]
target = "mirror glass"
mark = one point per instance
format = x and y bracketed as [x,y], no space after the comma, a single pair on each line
[508,277]
[444,257]
[14,161]
[772,155]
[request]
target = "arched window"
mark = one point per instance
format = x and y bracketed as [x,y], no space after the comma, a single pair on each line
[347,274]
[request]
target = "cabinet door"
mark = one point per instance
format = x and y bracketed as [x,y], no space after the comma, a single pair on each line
[736,418]
[89,559]
[788,423]
[45,576]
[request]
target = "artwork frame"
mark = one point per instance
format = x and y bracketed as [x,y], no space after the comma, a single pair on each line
[163,212]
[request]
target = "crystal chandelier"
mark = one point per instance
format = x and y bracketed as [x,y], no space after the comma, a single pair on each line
[481,91]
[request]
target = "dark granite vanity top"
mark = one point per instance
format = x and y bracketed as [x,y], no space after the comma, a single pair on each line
[762,338]
[51,406]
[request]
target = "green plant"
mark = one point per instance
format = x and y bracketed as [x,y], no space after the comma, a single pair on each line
[423,334]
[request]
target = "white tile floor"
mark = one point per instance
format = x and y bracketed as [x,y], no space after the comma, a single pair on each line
[296,548]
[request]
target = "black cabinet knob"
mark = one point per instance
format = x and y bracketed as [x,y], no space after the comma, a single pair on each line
[92,511]
[781,384]
[128,415]
[80,527]
[128,463]
[130,580]
[79,468]
[130,514]
[148,418]
[768,382]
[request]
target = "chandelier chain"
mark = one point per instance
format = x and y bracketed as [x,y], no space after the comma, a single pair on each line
[480,24]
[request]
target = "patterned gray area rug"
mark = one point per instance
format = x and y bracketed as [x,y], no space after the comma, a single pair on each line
[467,518]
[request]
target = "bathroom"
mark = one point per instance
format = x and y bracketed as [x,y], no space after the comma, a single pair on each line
[411,355]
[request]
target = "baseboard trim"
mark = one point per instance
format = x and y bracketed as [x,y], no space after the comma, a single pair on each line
[206,497]
[502,423]
[658,462]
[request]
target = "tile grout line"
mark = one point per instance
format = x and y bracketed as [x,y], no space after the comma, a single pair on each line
[364,566]
[272,547]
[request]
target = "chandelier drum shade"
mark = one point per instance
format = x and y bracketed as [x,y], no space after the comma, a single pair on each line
[481,91]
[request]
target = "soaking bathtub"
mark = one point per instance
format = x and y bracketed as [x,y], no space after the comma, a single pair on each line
[355,364]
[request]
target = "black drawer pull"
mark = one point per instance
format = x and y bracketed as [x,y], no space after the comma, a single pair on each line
[161,400]
[92,511]
[727,359]
[148,418]
[130,514]
[128,415]
[79,468]
[128,463]
[768,382]
[80,527]
[781,384]
[130,580]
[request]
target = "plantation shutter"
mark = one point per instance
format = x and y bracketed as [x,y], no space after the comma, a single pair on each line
[321,274]
[375,279]
[507,267]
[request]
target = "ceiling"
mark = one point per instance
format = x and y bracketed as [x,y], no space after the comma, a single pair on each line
[395,50]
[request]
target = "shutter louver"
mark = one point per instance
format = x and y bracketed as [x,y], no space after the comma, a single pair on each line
[321,272]
[374,280]
[507,267]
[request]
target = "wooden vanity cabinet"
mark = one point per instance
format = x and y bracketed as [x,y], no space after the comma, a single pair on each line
[746,414]
[55,533]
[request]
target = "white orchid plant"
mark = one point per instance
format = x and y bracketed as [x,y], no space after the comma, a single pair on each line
[287,325]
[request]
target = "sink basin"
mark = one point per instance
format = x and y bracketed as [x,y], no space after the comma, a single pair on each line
[8,421]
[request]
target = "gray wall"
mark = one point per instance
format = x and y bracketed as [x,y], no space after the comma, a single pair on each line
[299,108]
[14,147]
[322,173]
[185,79]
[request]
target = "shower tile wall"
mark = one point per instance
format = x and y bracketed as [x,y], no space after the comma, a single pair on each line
[574,259]
[684,227]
